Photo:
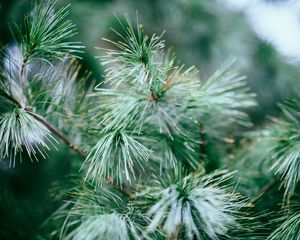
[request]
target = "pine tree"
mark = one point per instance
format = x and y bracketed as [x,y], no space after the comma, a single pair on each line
[145,134]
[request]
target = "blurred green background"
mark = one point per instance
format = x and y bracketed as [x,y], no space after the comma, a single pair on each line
[202,33]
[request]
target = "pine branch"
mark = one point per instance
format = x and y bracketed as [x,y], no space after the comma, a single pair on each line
[150,92]
[76,149]
[43,38]
[149,95]
[49,126]
[105,213]
[45,34]
[178,201]
[68,142]
[116,155]
[19,131]
[65,139]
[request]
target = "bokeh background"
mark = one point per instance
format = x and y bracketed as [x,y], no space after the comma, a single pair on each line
[263,37]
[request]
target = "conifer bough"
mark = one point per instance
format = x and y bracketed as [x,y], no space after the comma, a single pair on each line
[146,127]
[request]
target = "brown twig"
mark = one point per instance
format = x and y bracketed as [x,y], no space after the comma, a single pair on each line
[22,83]
[10,98]
[74,147]
[49,126]
[266,188]
[62,136]
[203,143]
[59,134]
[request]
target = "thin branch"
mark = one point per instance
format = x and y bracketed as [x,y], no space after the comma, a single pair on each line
[59,134]
[49,126]
[202,144]
[10,98]
[122,189]
[266,188]
[74,147]
[22,83]
[64,138]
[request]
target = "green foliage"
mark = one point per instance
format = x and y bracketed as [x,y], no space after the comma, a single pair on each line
[20,131]
[289,227]
[195,206]
[146,129]
[117,155]
[115,116]
[59,93]
[173,205]
[33,91]
[251,162]
[45,34]
[100,213]
[226,93]
[286,142]
[149,101]
[136,58]
[147,95]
